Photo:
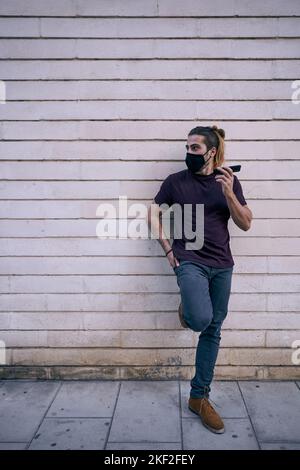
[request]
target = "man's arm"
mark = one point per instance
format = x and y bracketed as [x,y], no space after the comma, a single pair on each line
[241,215]
[155,225]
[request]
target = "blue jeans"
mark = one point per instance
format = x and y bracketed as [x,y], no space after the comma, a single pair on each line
[205,294]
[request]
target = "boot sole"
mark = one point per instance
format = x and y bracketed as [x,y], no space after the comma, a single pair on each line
[216,431]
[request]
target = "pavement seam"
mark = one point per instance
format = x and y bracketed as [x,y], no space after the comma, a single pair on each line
[44,415]
[252,425]
[112,417]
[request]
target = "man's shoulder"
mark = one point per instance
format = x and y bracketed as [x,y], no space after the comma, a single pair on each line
[178,175]
[236,179]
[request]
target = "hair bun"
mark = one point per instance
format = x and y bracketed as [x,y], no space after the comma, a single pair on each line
[220,131]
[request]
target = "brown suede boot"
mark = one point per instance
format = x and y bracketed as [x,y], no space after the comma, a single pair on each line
[209,417]
[181,319]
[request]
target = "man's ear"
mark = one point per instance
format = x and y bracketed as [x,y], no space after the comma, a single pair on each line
[214,151]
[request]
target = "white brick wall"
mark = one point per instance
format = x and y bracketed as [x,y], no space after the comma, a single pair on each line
[100,97]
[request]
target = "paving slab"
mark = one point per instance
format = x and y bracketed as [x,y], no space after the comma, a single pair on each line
[143,446]
[13,445]
[147,411]
[71,434]
[274,409]
[226,399]
[238,435]
[23,405]
[280,446]
[85,399]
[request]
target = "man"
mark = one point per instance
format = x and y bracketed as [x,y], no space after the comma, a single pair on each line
[203,275]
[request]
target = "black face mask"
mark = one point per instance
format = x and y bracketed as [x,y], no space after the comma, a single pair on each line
[195,161]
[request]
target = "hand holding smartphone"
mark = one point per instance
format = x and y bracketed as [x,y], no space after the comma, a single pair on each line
[233,167]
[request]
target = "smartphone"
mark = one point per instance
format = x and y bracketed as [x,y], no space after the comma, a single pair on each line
[233,167]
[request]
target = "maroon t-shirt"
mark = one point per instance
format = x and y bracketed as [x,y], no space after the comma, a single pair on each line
[185,187]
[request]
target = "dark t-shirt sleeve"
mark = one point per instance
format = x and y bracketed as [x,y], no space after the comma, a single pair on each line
[165,194]
[238,191]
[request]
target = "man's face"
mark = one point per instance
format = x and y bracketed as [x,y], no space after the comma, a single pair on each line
[195,144]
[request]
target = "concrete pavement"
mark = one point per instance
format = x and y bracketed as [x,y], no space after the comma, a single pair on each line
[149,415]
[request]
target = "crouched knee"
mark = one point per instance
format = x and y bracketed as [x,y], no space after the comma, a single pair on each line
[198,324]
